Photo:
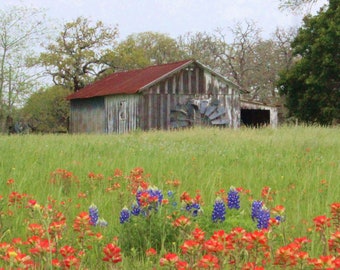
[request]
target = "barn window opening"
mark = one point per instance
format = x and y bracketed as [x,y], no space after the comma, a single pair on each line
[255,117]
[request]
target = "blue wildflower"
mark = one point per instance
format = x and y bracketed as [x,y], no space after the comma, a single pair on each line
[255,209]
[135,210]
[124,215]
[195,209]
[219,210]
[170,194]
[263,218]
[94,214]
[233,199]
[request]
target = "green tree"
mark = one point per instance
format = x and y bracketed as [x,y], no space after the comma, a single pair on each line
[76,57]
[20,27]
[312,86]
[47,110]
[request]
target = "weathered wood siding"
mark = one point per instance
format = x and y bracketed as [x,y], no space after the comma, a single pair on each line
[87,116]
[193,83]
[122,113]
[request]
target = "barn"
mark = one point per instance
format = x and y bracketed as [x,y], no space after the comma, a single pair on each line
[168,96]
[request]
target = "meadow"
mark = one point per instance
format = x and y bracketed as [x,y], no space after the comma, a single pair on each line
[52,181]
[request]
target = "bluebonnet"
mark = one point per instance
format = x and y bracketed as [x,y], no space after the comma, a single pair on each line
[219,210]
[233,199]
[94,214]
[255,209]
[135,209]
[124,215]
[263,218]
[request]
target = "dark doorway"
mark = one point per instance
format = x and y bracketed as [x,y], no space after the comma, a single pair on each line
[255,118]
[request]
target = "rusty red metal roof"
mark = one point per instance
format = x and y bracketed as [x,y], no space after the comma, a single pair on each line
[128,82]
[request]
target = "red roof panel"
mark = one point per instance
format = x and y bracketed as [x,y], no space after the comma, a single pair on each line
[127,82]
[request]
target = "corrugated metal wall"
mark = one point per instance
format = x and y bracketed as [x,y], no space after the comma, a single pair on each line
[122,112]
[87,116]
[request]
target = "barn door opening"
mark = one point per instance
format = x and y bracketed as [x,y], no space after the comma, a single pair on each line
[255,117]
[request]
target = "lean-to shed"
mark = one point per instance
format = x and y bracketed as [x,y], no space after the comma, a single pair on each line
[167,96]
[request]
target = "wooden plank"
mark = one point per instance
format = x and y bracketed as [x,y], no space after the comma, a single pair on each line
[217,113]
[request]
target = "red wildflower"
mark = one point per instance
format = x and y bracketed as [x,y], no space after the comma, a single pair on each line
[190,246]
[182,221]
[278,210]
[182,265]
[325,262]
[10,182]
[212,245]
[36,229]
[151,252]
[82,224]
[112,253]
[117,173]
[71,261]
[198,235]
[209,261]
[169,259]
[251,266]
[321,222]
[67,251]
[43,246]
[185,197]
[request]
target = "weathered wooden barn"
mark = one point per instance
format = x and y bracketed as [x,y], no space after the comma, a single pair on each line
[167,96]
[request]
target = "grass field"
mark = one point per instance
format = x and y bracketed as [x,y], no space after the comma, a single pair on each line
[301,165]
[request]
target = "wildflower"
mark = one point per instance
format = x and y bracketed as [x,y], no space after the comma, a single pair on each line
[209,261]
[190,246]
[263,218]
[124,215]
[112,253]
[135,209]
[233,199]
[255,209]
[67,251]
[82,223]
[182,265]
[198,235]
[321,222]
[182,221]
[169,259]
[150,252]
[94,214]
[219,210]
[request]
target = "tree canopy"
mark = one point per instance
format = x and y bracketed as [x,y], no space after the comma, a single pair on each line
[312,86]
[76,57]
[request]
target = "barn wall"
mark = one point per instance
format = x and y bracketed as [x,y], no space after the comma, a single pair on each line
[87,116]
[122,112]
[192,83]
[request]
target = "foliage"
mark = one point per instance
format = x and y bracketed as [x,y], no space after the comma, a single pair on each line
[143,49]
[47,110]
[311,86]
[19,28]
[74,59]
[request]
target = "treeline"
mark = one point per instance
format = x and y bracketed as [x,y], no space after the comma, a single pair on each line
[294,67]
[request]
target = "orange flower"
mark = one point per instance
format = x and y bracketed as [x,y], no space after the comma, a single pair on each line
[112,253]
[182,221]
[190,246]
[151,252]
[169,259]
[209,261]
[321,222]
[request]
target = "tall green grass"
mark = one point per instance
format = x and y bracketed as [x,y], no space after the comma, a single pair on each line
[301,164]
